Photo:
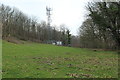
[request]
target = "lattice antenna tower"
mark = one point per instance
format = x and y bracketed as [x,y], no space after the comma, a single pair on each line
[48,13]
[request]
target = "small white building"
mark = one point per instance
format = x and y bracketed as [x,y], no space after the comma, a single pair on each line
[59,43]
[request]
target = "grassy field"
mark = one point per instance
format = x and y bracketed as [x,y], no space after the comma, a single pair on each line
[32,60]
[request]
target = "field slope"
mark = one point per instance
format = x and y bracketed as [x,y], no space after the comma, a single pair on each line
[33,60]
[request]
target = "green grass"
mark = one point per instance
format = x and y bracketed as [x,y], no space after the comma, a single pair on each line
[33,60]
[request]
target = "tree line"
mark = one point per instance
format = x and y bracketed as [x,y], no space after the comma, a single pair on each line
[101,29]
[17,24]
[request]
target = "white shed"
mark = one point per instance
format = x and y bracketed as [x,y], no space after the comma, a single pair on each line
[59,43]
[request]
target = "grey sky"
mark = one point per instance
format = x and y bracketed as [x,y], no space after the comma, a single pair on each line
[68,12]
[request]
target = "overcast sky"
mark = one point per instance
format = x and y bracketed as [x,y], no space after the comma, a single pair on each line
[69,12]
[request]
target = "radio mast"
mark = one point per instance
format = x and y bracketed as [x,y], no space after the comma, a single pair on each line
[48,13]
